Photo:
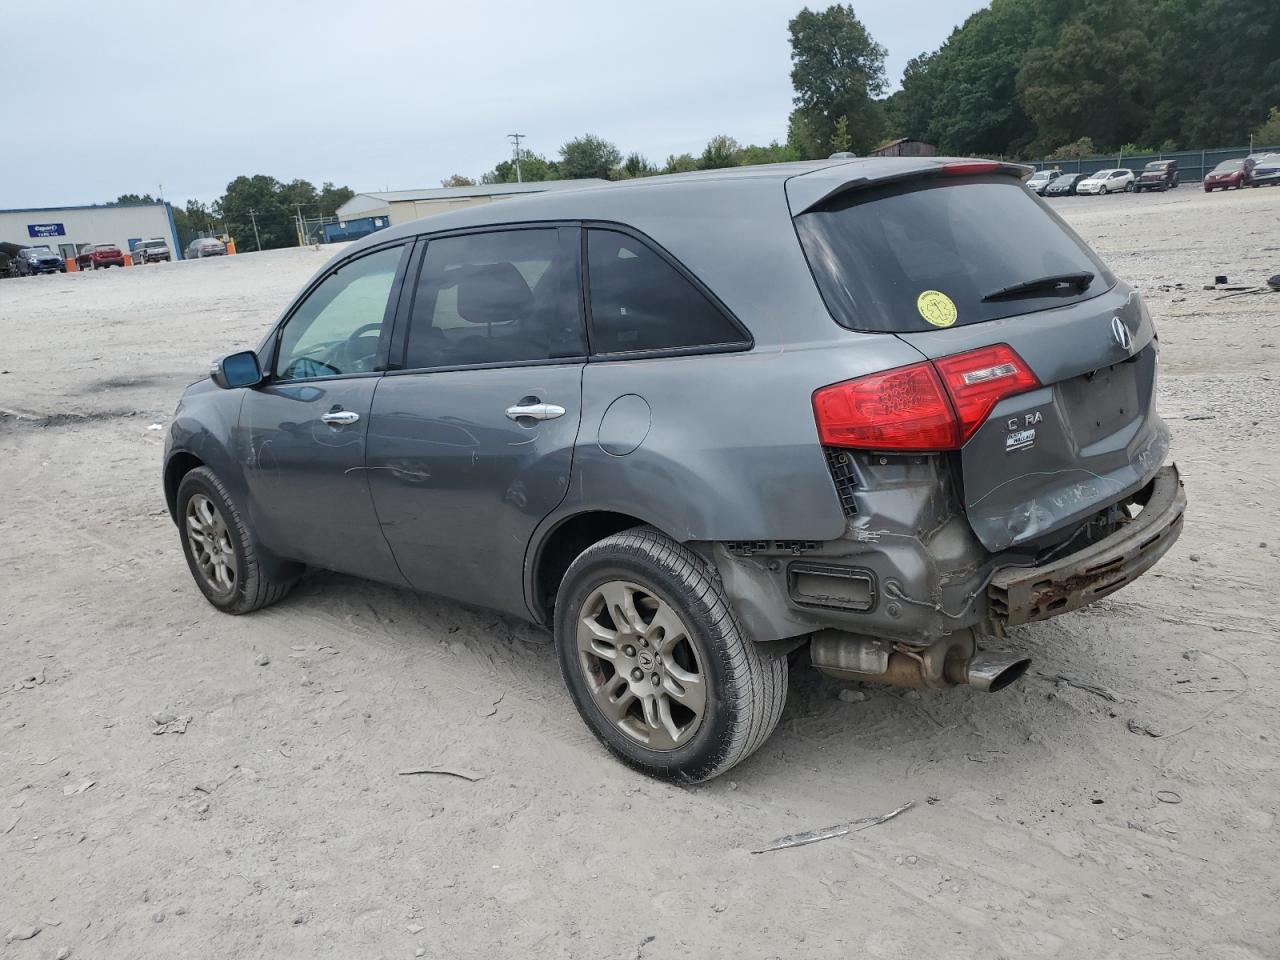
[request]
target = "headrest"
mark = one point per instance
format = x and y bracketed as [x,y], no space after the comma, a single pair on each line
[493,293]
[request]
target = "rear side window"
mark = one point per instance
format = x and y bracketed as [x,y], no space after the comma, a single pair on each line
[639,301]
[489,298]
[922,256]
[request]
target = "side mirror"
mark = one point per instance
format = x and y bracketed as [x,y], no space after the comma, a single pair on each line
[236,370]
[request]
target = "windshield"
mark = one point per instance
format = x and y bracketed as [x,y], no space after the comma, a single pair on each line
[1226,166]
[1157,165]
[923,255]
[152,244]
[106,247]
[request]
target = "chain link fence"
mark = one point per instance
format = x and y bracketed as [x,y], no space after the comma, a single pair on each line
[1192,164]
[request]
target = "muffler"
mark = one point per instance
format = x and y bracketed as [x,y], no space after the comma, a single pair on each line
[950,662]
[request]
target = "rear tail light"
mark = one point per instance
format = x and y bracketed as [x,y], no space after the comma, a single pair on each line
[934,405]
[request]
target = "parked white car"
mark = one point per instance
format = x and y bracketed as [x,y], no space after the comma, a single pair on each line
[1107,181]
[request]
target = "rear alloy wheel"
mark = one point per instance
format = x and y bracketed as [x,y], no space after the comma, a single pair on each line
[656,663]
[643,671]
[223,556]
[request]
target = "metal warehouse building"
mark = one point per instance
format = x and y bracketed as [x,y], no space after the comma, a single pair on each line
[67,229]
[401,206]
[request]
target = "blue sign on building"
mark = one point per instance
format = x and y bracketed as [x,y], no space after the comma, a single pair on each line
[46,230]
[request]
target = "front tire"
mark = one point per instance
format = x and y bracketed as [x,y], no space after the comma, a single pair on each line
[656,663]
[221,552]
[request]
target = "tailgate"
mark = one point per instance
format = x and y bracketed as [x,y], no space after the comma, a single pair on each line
[1086,438]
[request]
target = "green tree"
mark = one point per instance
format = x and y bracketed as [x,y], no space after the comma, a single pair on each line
[964,97]
[1219,70]
[135,198]
[589,156]
[330,198]
[909,110]
[1094,79]
[1268,134]
[840,141]
[774,152]
[837,70]
[533,168]
[721,151]
[259,200]
[637,165]
[684,163]
[1080,150]
[191,220]
[457,180]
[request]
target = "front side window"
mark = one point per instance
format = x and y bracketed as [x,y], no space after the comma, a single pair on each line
[492,298]
[639,301]
[337,329]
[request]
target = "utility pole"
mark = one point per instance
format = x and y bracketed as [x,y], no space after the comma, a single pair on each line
[302,227]
[253,215]
[515,138]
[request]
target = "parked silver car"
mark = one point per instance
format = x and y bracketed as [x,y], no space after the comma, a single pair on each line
[878,409]
[205,247]
[151,251]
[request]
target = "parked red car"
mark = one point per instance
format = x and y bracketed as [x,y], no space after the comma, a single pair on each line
[95,255]
[1228,174]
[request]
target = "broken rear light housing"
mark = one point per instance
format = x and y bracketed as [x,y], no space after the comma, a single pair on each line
[934,405]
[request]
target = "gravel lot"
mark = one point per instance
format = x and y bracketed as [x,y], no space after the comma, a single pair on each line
[1049,821]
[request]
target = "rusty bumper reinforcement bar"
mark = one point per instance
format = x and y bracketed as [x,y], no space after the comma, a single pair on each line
[1020,595]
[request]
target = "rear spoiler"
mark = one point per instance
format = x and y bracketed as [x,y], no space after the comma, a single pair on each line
[808,191]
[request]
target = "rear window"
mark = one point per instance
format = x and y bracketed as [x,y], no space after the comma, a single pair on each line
[924,255]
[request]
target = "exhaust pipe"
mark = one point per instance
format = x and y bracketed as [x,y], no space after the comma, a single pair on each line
[950,662]
[993,670]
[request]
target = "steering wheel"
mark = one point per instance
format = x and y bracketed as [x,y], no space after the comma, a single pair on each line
[356,361]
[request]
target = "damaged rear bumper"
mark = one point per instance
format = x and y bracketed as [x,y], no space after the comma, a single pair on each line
[1018,595]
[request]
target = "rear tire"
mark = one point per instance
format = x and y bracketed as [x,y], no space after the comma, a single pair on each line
[221,552]
[625,604]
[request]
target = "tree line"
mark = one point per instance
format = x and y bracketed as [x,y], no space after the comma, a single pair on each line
[1021,78]
[254,201]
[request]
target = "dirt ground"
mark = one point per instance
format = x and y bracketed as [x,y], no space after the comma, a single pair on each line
[1050,820]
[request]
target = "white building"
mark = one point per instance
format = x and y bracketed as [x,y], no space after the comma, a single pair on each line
[401,206]
[67,229]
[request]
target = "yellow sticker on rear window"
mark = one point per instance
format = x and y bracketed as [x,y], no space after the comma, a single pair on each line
[936,308]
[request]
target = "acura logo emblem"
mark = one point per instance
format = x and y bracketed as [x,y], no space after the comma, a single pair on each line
[1121,333]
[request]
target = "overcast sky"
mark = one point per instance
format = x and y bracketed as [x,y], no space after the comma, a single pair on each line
[123,97]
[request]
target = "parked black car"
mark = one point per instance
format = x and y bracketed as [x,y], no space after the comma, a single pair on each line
[33,260]
[1065,185]
[1157,175]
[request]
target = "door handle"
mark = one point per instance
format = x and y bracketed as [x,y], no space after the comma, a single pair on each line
[535,411]
[338,418]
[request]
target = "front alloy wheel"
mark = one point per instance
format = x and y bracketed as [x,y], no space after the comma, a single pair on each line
[211,547]
[641,667]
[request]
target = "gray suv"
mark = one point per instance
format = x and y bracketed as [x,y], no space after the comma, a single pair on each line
[874,411]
